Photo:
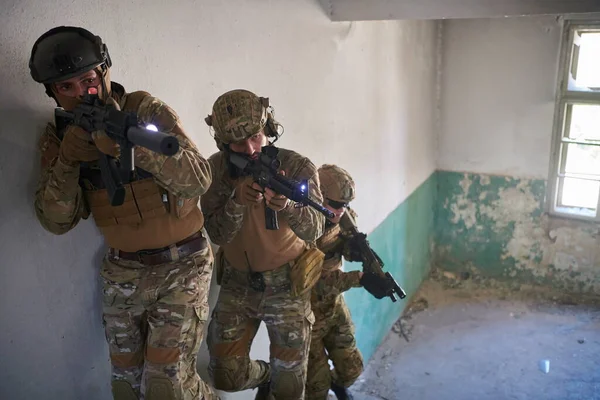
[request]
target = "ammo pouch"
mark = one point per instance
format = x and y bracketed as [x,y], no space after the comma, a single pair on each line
[180,207]
[306,271]
[144,199]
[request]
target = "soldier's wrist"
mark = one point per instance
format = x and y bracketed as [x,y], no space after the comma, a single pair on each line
[233,206]
[289,208]
[65,162]
[356,277]
[233,198]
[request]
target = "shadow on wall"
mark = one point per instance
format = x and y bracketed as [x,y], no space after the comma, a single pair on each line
[51,314]
[51,287]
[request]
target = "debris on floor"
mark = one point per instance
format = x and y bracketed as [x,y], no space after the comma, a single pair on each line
[461,339]
[402,326]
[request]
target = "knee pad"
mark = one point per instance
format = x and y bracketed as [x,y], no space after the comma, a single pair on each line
[122,390]
[228,373]
[159,389]
[288,384]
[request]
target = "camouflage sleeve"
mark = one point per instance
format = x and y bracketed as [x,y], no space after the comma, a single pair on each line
[59,204]
[338,281]
[223,217]
[187,173]
[306,222]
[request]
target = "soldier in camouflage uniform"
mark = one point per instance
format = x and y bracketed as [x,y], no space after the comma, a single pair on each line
[333,332]
[265,275]
[156,273]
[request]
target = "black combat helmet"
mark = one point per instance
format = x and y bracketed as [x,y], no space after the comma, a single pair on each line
[64,52]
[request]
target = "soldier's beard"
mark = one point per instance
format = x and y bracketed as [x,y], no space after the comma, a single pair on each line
[329,224]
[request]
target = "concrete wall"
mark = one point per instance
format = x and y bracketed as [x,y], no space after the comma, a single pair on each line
[357,94]
[499,79]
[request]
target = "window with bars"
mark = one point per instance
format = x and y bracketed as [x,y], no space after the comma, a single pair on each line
[574,185]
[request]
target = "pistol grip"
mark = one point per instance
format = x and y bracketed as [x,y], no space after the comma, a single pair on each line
[112,179]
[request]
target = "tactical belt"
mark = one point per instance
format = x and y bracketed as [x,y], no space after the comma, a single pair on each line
[177,251]
[256,280]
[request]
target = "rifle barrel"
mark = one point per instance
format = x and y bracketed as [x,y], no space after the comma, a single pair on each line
[157,142]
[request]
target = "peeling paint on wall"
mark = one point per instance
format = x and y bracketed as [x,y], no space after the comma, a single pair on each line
[496,226]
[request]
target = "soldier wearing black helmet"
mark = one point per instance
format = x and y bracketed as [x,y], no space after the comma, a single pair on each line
[156,272]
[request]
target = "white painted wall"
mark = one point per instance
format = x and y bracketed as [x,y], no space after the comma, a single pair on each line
[498,87]
[359,94]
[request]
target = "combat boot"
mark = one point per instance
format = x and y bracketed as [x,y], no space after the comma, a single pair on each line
[341,392]
[263,391]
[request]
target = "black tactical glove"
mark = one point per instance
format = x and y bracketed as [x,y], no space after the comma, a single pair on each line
[354,253]
[378,286]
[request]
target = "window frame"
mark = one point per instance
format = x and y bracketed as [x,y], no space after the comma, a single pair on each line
[564,97]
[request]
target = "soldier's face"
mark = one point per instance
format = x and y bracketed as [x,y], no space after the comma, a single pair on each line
[338,212]
[251,146]
[77,87]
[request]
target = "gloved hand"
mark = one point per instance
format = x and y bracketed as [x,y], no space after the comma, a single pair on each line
[77,146]
[248,192]
[275,201]
[104,143]
[354,253]
[378,286]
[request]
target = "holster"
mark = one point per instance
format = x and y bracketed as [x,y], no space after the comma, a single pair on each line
[306,271]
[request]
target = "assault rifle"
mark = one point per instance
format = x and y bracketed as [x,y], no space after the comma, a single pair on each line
[265,171]
[372,263]
[124,128]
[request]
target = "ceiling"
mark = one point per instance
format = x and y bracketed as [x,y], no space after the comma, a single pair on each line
[361,10]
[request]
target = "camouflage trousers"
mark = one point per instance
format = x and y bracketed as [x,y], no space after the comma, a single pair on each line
[332,338]
[154,318]
[235,321]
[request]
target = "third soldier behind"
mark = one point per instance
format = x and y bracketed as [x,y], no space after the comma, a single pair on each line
[333,332]
[264,274]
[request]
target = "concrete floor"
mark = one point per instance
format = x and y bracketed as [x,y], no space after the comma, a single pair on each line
[472,343]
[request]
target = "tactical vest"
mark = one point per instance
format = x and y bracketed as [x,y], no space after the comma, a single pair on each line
[331,244]
[144,198]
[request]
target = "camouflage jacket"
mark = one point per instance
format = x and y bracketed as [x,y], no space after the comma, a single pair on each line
[334,281]
[59,202]
[224,217]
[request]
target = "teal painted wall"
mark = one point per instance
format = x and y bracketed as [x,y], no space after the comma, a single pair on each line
[404,241]
[488,225]
[496,227]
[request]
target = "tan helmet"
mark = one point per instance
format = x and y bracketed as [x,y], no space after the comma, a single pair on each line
[237,115]
[336,183]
